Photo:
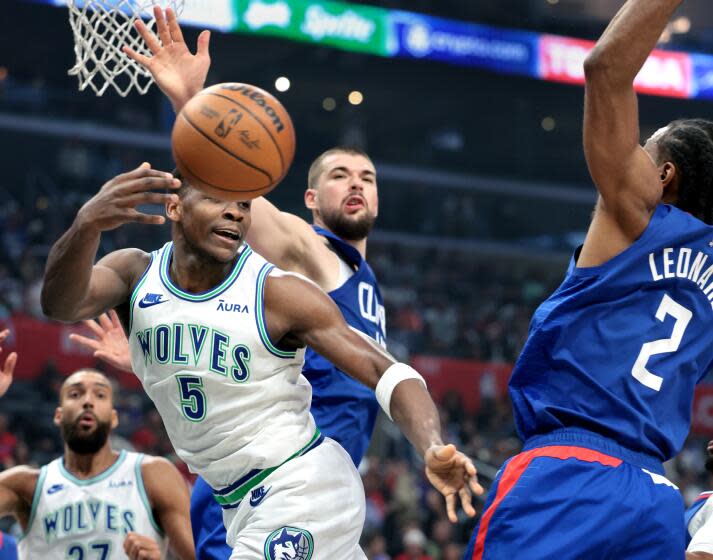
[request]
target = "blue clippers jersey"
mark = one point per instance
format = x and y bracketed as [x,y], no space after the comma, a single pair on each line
[344,409]
[8,547]
[618,348]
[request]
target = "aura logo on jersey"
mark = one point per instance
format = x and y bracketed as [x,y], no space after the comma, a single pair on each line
[289,543]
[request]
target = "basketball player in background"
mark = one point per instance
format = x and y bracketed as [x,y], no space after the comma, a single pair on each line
[8,545]
[342,195]
[603,389]
[94,502]
[238,414]
[699,520]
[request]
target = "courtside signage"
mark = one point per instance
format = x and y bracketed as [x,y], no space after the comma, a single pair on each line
[345,26]
[502,50]
[665,73]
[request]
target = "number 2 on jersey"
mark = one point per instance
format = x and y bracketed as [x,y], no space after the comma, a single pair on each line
[664,345]
[77,551]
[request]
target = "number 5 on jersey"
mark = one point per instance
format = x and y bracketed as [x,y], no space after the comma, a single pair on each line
[192,396]
[664,345]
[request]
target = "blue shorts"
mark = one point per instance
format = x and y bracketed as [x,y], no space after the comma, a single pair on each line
[589,501]
[207,522]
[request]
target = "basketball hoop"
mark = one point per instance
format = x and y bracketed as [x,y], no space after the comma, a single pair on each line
[101,28]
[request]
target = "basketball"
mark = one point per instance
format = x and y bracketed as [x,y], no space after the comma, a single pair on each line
[233,141]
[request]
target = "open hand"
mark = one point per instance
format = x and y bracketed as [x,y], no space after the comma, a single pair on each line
[115,203]
[8,368]
[452,473]
[110,344]
[179,73]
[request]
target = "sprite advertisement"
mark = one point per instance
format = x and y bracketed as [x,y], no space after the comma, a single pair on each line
[350,27]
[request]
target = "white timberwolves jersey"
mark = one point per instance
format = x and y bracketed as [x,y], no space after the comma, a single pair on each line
[74,519]
[232,402]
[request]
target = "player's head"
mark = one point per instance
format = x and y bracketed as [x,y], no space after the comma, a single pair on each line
[86,412]
[210,227]
[683,152]
[342,193]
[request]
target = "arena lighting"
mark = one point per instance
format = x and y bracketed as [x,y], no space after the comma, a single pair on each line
[329,104]
[548,124]
[356,97]
[282,83]
[680,25]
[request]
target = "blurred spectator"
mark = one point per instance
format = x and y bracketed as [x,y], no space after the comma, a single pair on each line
[414,542]
[8,443]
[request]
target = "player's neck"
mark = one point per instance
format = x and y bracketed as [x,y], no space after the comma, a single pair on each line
[91,465]
[194,273]
[359,245]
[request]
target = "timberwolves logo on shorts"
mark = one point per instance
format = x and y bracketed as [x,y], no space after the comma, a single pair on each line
[289,543]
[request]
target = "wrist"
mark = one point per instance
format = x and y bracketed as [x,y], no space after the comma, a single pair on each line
[85,226]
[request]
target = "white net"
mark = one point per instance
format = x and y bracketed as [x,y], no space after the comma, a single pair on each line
[101,28]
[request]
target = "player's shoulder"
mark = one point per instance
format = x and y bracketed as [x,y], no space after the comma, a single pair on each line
[22,480]
[130,262]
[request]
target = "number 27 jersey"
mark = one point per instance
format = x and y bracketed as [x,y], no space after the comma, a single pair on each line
[617,349]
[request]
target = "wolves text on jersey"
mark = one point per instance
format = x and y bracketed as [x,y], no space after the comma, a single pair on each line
[82,517]
[680,263]
[187,344]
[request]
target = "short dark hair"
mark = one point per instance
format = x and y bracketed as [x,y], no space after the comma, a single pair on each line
[185,185]
[688,144]
[315,170]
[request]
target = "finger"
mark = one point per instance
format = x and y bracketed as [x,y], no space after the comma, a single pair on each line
[173,28]
[451,508]
[151,183]
[203,43]
[104,322]
[149,219]
[85,341]
[147,198]
[142,170]
[114,319]
[94,327]
[148,36]
[9,368]
[475,486]
[445,454]
[161,27]
[469,467]
[138,57]
[466,502]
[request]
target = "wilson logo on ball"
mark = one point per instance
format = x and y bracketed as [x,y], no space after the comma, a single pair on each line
[260,100]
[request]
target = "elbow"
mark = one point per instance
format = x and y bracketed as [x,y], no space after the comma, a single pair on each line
[52,308]
[597,64]
[601,72]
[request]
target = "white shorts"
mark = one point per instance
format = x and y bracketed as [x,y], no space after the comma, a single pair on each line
[311,508]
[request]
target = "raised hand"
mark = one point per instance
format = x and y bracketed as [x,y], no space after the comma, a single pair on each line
[140,547]
[179,73]
[9,366]
[110,344]
[115,203]
[452,473]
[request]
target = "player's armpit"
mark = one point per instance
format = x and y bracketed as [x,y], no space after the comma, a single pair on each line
[288,241]
[170,500]
[17,487]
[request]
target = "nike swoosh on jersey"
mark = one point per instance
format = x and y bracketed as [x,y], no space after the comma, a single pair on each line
[258,495]
[150,300]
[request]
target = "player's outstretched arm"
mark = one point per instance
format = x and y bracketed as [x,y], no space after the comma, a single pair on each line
[313,320]
[170,501]
[179,73]
[628,180]
[698,556]
[74,288]
[8,367]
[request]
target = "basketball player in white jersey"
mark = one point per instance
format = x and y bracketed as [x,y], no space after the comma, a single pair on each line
[217,337]
[94,503]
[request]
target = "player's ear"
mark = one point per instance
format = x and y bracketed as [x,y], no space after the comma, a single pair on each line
[669,181]
[57,416]
[311,199]
[114,419]
[174,209]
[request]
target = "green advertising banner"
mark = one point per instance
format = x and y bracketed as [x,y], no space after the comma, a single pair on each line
[345,26]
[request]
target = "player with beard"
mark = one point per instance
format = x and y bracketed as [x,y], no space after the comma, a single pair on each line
[699,520]
[342,196]
[95,502]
